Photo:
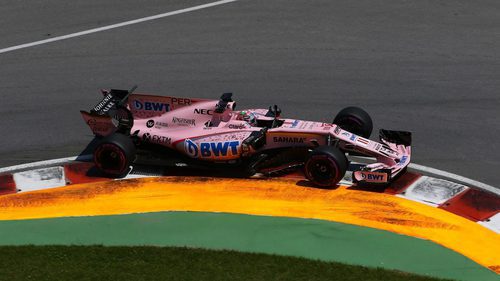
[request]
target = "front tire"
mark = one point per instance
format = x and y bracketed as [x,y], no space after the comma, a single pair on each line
[114,155]
[355,120]
[325,166]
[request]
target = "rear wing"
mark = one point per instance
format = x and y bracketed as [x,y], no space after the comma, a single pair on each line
[119,108]
[105,118]
[113,99]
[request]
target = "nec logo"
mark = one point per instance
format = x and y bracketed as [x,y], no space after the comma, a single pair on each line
[151,106]
[203,111]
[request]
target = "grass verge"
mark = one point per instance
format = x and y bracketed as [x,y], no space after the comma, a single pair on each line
[170,263]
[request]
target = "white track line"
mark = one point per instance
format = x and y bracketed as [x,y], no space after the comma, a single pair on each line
[415,167]
[46,163]
[108,27]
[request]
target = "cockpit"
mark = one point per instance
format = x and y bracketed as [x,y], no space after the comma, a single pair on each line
[252,117]
[247,116]
[258,119]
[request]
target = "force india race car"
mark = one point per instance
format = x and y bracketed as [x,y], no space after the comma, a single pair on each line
[212,133]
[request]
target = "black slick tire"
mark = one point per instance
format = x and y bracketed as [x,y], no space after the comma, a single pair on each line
[355,120]
[114,154]
[325,166]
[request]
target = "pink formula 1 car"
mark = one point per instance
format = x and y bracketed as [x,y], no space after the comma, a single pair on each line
[211,133]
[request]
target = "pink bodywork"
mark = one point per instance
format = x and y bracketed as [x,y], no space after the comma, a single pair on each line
[192,127]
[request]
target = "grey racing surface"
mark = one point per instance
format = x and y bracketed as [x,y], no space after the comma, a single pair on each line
[430,67]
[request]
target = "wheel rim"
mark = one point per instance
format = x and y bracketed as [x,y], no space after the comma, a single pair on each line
[322,170]
[110,159]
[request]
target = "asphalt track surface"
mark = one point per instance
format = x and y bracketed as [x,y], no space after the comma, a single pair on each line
[430,67]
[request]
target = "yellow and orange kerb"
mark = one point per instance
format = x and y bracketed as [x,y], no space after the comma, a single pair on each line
[270,197]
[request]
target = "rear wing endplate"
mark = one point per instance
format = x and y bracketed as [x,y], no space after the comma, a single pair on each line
[112,99]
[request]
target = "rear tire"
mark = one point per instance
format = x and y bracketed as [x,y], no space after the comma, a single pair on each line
[325,166]
[355,120]
[114,155]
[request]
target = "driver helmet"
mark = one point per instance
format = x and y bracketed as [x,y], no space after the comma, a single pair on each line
[247,116]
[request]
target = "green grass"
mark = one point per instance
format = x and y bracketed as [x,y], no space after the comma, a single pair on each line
[164,263]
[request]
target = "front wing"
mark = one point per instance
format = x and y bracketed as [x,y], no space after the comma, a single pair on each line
[392,154]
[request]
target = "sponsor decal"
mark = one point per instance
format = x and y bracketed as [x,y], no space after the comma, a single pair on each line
[191,148]
[209,149]
[156,139]
[181,101]
[353,137]
[227,148]
[346,134]
[160,125]
[303,125]
[151,123]
[387,151]
[327,125]
[237,127]
[403,160]
[203,111]
[99,127]
[183,121]
[295,123]
[151,106]
[372,176]
[104,106]
[289,139]
[146,137]
[363,141]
